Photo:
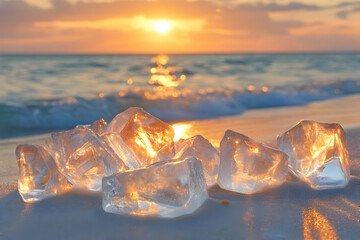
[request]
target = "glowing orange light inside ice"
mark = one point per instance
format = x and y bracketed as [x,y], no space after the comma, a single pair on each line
[182,130]
[145,142]
[321,146]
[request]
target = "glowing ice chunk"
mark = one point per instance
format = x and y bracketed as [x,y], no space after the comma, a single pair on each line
[83,157]
[38,174]
[97,127]
[317,154]
[201,149]
[139,138]
[119,121]
[247,166]
[165,189]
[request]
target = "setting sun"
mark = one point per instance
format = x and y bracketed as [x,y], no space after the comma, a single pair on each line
[162,26]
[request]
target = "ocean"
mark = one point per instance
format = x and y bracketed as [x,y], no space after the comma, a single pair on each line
[43,93]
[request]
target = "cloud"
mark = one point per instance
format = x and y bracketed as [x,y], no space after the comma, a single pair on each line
[43,4]
[274,7]
[344,14]
[239,18]
[127,26]
[256,21]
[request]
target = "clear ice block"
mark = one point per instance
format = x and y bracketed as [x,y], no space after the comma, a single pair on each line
[165,189]
[317,154]
[200,148]
[139,138]
[119,121]
[83,157]
[38,174]
[97,127]
[247,166]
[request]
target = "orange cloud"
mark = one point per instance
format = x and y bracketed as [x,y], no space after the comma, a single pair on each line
[124,24]
[110,26]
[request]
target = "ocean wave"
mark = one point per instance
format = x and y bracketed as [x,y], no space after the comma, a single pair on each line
[168,104]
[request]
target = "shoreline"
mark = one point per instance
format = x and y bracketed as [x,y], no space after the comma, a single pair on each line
[265,124]
[175,53]
[339,103]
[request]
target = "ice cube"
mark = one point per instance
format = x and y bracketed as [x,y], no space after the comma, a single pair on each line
[317,154]
[117,144]
[165,189]
[200,148]
[97,127]
[120,120]
[83,157]
[139,138]
[247,166]
[38,174]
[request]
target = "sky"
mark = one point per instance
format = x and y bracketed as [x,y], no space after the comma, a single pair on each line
[178,26]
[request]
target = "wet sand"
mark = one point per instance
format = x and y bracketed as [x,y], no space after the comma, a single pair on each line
[292,211]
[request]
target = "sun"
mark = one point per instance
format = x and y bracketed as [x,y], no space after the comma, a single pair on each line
[162,26]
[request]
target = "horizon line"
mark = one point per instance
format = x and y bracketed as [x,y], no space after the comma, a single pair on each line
[186,53]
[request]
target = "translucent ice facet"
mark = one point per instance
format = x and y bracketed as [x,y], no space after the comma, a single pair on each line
[247,166]
[38,174]
[119,121]
[139,138]
[201,149]
[97,127]
[317,154]
[117,144]
[165,189]
[83,157]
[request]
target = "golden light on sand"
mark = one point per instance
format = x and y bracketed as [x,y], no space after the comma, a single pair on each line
[317,226]
[162,26]
[182,131]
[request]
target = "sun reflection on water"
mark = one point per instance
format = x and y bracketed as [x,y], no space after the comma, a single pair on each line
[164,75]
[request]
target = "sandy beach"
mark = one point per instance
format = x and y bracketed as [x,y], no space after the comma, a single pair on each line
[292,211]
[257,68]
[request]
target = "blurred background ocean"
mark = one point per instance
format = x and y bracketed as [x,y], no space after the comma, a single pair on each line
[43,93]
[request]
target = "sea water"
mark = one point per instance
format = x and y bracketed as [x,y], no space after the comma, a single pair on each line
[42,93]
